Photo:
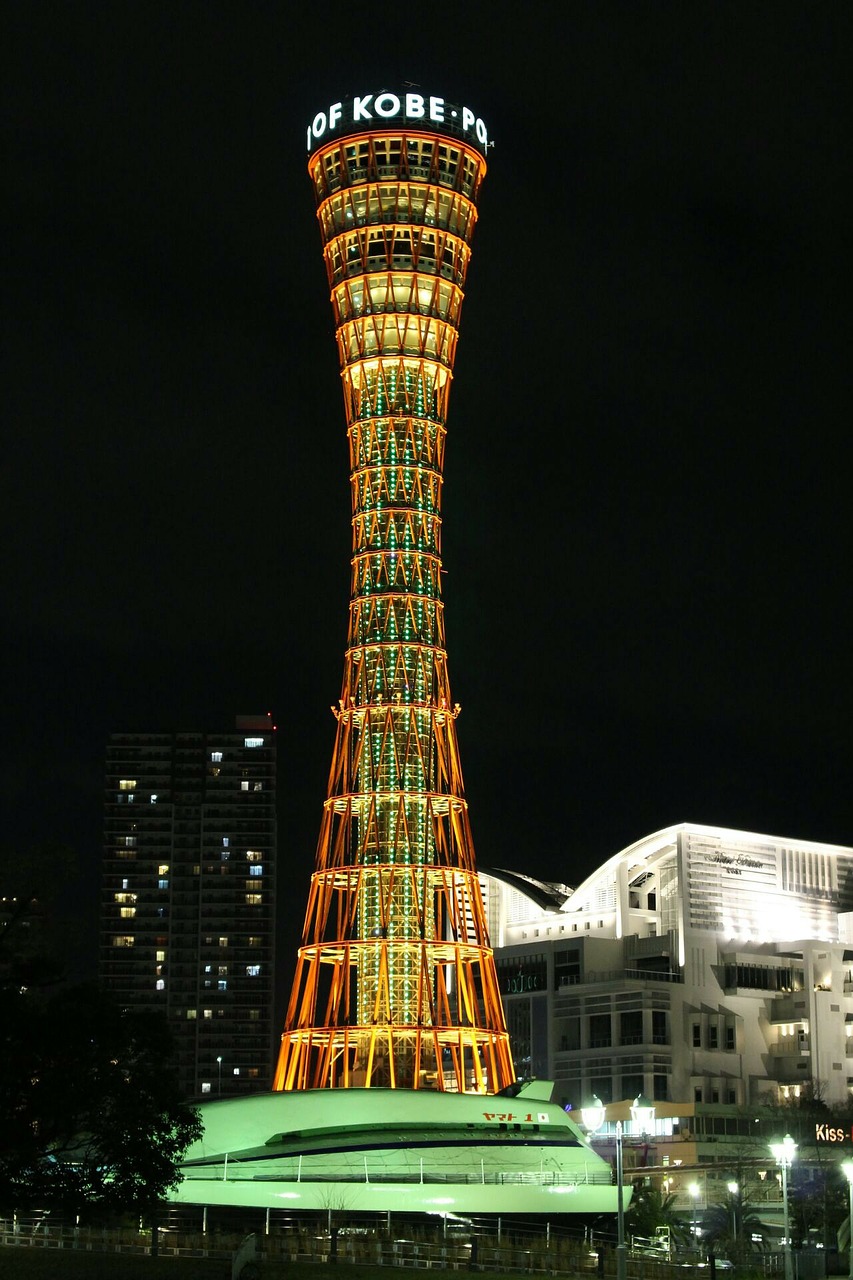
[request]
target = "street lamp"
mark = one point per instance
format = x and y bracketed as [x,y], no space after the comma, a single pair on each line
[783,1153]
[847,1170]
[219,1065]
[643,1114]
[621,1270]
[733,1189]
[694,1192]
[593,1114]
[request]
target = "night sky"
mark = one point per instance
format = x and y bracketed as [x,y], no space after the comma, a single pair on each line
[646,523]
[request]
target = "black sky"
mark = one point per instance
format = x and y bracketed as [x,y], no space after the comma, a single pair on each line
[646,524]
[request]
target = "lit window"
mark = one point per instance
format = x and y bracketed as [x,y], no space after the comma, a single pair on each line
[130,842]
[244,785]
[153,797]
[223,942]
[254,1015]
[127,784]
[222,984]
[205,1086]
[127,854]
[125,883]
[208,968]
[163,869]
[254,940]
[253,970]
[208,983]
[254,855]
[252,1073]
[207,1013]
[191,1013]
[196,870]
[160,985]
[226,840]
[222,970]
[253,742]
[225,855]
[125,897]
[128,798]
[236,1071]
[214,771]
[259,786]
[123,939]
[162,884]
[216,757]
[254,899]
[127,913]
[256,870]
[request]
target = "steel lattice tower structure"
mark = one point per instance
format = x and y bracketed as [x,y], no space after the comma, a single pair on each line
[395,983]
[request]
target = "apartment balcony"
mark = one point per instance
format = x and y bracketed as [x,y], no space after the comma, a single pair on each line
[792,1008]
[791,1047]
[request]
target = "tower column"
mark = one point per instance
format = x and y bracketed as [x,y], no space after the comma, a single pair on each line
[395,983]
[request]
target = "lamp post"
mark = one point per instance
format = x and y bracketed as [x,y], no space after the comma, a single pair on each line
[847,1170]
[620,1208]
[219,1065]
[733,1189]
[783,1153]
[694,1192]
[592,1117]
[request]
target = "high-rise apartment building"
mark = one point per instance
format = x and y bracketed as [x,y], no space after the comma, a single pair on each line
[188,895]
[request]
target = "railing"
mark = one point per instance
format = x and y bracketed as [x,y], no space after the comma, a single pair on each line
[237,1171]
[617,975]
[515,1250]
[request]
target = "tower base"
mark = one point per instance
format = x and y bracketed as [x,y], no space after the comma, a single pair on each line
[396,1150]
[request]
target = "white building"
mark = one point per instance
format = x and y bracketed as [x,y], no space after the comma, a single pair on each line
[698,966]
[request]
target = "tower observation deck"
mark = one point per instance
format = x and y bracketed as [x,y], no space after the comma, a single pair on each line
[395,982]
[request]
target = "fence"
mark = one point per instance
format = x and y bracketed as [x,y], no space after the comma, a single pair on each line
[546,1252]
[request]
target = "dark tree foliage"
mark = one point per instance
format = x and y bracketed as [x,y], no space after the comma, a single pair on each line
[31,943]
[90,1112]
[651,1209]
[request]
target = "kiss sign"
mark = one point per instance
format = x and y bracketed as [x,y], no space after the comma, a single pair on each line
[832,1134]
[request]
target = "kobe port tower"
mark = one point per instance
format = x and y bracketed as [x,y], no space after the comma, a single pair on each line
[395,1079]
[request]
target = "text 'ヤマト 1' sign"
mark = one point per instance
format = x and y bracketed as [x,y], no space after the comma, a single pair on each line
[832,1134]
[417,108]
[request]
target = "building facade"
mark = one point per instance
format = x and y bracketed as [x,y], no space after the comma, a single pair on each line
[699,966]
[187,913]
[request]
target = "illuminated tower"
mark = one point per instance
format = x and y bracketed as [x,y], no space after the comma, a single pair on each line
[395,983]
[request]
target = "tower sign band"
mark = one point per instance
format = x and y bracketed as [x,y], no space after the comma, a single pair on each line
[395,982]
[416,109]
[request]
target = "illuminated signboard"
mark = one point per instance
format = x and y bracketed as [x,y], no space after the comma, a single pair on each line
[833,1135]
[418,108]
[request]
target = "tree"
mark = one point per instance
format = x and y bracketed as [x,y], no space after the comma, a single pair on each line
[31,940]
[91,1111]
[735,1227]
[652,1208]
